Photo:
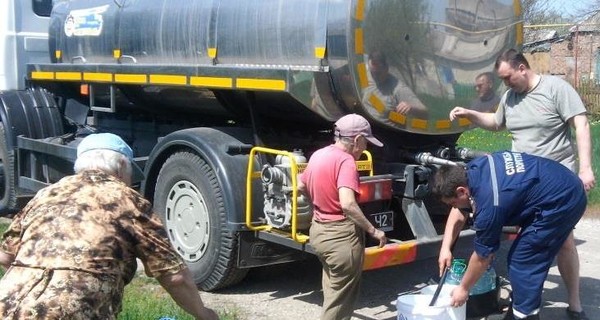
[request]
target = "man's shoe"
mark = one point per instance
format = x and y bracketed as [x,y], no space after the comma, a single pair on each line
[573,315]
[509,314]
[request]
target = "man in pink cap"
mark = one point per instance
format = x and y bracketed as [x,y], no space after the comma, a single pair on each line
[337,232]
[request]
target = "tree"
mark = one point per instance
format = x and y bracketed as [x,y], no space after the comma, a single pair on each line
[536,12]
[586,11]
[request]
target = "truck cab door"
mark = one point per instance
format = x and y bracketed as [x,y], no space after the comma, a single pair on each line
[23,39]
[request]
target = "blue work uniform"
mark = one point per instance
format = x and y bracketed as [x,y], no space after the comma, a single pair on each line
[541,196]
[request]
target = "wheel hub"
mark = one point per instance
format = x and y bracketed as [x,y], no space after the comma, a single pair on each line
[187,220]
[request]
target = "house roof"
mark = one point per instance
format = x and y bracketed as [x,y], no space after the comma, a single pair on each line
[540,39]
[589,24]
[537,35]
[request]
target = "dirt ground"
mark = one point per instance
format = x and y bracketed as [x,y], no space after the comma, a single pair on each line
[592,212]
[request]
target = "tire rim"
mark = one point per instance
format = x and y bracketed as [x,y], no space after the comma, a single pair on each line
[187,221]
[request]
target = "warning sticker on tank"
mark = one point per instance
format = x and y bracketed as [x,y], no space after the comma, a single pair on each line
[85,22]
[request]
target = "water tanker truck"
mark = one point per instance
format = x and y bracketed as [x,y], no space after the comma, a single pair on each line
[224,100]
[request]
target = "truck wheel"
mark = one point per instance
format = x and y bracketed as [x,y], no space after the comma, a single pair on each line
[190,202]
[8,195]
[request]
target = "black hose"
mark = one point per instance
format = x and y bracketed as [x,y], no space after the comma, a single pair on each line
[442,279]
[439,287]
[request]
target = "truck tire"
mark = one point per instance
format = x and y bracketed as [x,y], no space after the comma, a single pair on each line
[8,194]
[190,202]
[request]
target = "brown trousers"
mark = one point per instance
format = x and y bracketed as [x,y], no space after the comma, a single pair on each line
[340,247]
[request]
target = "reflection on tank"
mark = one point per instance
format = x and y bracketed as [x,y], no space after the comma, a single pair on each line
[434,52]
[487,100]
[386,93]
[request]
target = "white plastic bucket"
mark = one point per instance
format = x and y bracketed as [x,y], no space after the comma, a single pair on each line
[416,307]
[445,292]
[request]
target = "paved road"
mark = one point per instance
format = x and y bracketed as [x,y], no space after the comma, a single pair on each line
[293,291]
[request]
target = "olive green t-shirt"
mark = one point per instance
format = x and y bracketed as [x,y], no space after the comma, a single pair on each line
[538,119]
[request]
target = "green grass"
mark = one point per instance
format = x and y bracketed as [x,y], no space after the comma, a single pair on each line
[145,299]
[483,140]
[3,227]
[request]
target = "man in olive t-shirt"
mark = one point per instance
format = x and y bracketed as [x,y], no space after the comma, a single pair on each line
[539,111]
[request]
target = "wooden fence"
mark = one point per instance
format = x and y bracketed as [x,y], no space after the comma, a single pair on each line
[590,94]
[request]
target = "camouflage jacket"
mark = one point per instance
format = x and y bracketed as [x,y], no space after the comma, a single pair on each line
[75,246]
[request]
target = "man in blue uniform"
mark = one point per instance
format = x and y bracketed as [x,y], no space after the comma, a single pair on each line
[506,189]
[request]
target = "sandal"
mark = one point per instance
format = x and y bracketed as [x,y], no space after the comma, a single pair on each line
[574,315]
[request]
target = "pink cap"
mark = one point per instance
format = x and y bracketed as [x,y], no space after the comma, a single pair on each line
[352,125]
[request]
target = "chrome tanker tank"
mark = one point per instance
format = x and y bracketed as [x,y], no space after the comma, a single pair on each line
[402,63]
